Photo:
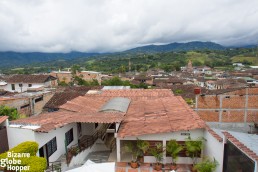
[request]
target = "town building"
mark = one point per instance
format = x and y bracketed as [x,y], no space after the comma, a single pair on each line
[111,118]
[67,76]
[23,83]
[27,103]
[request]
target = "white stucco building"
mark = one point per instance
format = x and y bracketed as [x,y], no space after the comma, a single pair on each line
[22,83]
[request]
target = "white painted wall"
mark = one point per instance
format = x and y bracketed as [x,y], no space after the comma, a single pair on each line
[214,149]
[19,135]
[198,133]
[168,136]
[25,86]
[59,133]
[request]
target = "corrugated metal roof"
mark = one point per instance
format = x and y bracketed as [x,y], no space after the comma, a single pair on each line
[116,104]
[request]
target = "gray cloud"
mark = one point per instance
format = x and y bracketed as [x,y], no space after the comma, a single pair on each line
[115,25]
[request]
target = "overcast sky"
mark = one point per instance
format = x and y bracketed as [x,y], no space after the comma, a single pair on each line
[115,25]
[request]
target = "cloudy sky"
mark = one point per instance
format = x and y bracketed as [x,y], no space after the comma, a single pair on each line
[115,25]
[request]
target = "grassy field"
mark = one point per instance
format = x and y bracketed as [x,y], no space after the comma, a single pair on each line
[253,60]
[194,56]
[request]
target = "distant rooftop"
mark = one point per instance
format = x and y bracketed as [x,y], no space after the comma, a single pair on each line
[116,87]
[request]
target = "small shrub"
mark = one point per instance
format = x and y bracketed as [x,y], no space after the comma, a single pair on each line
[36,164]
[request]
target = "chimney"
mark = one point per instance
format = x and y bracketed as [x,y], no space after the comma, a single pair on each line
[197,91]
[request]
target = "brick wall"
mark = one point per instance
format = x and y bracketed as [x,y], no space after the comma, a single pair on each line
[234,107]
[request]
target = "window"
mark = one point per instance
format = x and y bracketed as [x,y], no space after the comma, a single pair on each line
[69,137]
[24,106]
[51,147]
[29,85]
[20,85]
[38,99]
[13,86]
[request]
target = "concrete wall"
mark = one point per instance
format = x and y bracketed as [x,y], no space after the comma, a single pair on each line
[168,136]
[34,108]
[38,106]
[59,133]
[214,149]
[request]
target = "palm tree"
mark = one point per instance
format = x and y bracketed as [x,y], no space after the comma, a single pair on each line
[143,146]
[157,152]
[173,148]
[193,148]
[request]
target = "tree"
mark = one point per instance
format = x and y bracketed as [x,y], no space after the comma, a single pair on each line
[8,111]
[115,81]
[75,68]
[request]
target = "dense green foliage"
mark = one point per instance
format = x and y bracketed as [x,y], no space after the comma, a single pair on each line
[25,147]
[142,61]
[7,111]
[36,164]
[206,165]
[116,81]
[80,81]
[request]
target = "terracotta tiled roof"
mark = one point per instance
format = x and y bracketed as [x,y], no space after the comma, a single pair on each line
[135,93]
[50,121]
[230,82]
[29,78]
[241,146]
[3,118]
[161,115]
[67,94]
[149,112]
[214,134]
[61,98]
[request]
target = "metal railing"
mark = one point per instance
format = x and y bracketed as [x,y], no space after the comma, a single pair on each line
[86,142]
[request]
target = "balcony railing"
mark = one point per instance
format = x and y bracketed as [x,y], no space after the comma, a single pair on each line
[86,142]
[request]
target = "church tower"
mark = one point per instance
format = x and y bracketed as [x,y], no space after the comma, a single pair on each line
[189,66]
